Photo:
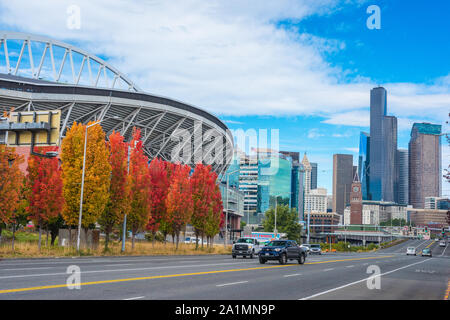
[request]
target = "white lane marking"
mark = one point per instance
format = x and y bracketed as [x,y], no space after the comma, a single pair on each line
[120,270]
[444,250]
[362,280]
[100,261]
[120,264]
[230,284]
[365,264]
[135,298]
[350,266]
[329,269]
[26,269]
[292,275]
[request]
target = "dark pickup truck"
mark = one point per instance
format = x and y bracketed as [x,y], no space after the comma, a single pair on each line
[282,250]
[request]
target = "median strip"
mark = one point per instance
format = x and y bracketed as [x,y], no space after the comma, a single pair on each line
[176,275]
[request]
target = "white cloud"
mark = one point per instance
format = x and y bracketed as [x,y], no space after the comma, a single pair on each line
[225,56]
[314,134]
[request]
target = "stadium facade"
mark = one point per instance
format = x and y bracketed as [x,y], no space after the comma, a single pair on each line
[38,73]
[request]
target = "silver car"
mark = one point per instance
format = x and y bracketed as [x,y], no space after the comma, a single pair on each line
[411,251]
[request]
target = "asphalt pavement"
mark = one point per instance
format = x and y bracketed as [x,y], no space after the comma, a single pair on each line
[385,274]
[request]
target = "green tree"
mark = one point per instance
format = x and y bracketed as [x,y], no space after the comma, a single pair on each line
[287,222]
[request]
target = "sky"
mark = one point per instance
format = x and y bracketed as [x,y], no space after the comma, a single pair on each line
[303,67]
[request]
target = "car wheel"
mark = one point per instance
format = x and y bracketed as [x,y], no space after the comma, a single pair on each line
[245,257]
[301,260]
[262,261]
[234,256]
[283,259]
[251,255]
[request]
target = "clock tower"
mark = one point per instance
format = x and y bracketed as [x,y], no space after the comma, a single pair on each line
[356,201]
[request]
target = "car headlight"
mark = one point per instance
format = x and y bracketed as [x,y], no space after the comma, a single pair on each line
[277,249]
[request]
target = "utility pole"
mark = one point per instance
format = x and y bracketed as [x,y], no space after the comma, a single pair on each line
[309,214]
[124,231]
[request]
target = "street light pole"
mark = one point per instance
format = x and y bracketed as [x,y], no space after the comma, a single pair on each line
[275,229]
[124,231]
[80,216]
[309,214]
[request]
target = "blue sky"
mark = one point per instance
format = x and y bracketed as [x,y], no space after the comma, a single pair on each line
[304,67]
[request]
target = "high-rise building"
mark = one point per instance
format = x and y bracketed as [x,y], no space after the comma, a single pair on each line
[313,175]
[363,164]
[342,181]
[402,177]
[316,201]
[248,185]
[383,147]
[307,176]
[424,163]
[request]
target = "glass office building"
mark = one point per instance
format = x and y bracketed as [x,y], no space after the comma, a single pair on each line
[363,163]
[383,148]
[313,175]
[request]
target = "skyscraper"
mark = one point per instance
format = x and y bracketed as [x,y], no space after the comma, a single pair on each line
[383,147]
[424,163]
[313,175]
[363,164]
[342,181]
[402,176]
[307,167]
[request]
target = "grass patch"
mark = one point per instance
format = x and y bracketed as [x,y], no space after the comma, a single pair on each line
[29,249]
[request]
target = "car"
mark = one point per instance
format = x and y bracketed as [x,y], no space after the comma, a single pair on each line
[306,246]
[436,239]
[315,249]
[411,251]
[442,243]
[244,247]
[426,252]
[282,251]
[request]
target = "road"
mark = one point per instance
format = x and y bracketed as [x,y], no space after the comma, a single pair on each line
[329,276]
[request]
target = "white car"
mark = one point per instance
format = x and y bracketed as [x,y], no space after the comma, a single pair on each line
[411,251]
[246,246]
[307,246]
[442,243]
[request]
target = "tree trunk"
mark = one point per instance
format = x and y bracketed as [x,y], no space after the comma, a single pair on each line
[178,240]
[86,238]
[47,238]
[0,233]
[70,236]
[196,239]
[53,236]
[13,235]
[40,236]
[106,239]
[202,239]
[132,240]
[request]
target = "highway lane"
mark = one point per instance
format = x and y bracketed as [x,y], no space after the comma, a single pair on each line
[220,277]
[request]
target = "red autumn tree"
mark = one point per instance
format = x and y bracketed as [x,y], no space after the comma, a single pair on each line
[118,204]
[202,192]
[140,187]
[11,179]
[159,177]
[215,218]
[45,193]
[179,200]
[165,226]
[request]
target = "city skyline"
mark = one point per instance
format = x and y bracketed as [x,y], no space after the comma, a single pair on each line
[327,57]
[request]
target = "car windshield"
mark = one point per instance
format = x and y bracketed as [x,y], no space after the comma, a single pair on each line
[315,246]
[245,241]
[411,248]
[426,250]
[276,243]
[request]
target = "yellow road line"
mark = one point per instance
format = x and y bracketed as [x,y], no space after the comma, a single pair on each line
[447,293]
[177,275]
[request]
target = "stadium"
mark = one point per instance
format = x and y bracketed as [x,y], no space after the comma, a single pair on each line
[38,73]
